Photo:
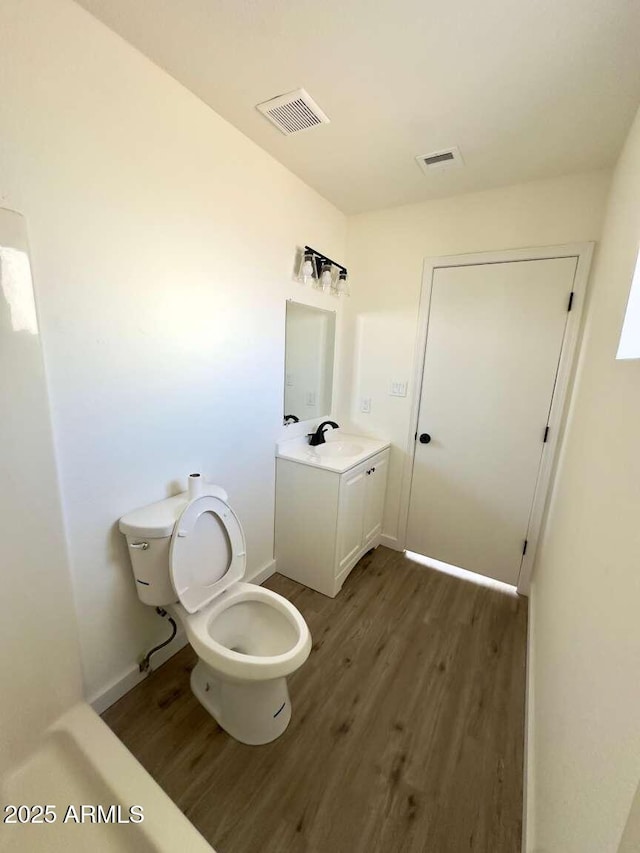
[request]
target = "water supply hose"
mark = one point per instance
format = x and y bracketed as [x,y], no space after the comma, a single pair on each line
[145,663]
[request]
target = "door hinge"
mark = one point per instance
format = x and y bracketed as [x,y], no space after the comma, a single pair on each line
[415,437]
[524,547]
[546,435]
[570,305]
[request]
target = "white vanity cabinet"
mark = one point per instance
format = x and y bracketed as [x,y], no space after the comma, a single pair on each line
[327,518]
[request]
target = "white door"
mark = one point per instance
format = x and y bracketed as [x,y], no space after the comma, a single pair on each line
[375,488]
[495,333]
[350,515]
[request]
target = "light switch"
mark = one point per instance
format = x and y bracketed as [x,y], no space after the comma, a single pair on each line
[365,405]
[310,398]
[398,389]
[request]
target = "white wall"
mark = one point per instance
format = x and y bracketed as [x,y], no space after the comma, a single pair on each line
[584,713]
[386,251]
[39,659]
[163,243]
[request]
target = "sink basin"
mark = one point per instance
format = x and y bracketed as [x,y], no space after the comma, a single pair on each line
[339,453]
[338,449]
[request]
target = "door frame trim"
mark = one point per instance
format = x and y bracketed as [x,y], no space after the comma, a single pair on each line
[561,395]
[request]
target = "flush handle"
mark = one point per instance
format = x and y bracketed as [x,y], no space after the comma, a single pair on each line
[139,546]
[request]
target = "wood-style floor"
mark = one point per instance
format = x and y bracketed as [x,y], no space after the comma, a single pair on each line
[407,730]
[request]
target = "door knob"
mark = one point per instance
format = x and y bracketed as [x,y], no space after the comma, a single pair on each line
[425,438]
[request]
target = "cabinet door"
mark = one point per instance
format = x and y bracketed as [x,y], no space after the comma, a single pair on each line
[350,516]
[375,488]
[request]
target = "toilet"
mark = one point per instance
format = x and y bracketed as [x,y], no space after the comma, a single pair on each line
[188,555]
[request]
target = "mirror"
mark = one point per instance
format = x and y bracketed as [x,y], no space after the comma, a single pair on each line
[309,344]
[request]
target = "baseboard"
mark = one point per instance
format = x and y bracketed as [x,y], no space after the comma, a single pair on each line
[132,676]
[528,792]
[108,697]
[391,542]
[263,574]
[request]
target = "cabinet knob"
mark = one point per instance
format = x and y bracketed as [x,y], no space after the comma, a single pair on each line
[425,438]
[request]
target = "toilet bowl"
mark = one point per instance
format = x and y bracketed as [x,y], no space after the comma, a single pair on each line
[248,641]
[188,554]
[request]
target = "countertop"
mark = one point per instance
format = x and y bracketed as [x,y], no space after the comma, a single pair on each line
[299,450]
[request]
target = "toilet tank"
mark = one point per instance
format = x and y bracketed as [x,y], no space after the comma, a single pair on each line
[148,533]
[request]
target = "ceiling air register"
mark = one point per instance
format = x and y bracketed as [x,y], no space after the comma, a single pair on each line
[293,112]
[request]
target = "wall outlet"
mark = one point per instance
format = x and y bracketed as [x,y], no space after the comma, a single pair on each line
[398,389]
[365,405]
[288,381]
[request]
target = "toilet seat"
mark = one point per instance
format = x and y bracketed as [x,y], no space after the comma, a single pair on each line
[207,553]
[238,666]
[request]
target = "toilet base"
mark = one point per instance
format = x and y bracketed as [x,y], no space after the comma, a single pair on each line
[254,712]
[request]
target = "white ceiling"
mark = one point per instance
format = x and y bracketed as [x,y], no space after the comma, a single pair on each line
[525,88]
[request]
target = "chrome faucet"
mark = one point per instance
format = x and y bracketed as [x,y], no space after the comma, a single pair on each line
[317,437]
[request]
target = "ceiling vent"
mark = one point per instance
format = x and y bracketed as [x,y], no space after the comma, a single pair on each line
[448,158]
[293,112]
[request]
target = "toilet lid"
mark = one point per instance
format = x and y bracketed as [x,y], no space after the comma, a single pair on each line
[207,553]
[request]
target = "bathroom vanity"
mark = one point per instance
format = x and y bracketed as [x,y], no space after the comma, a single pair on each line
[329,507]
